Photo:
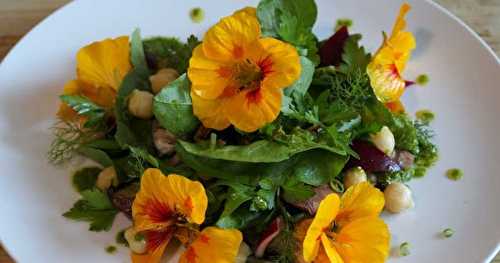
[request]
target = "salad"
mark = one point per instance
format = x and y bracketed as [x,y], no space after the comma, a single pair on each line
[258,142]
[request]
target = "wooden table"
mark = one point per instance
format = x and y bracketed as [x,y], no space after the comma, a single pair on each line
[17,17]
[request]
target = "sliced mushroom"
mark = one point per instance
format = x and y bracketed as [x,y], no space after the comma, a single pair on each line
[164,141]
[311,205]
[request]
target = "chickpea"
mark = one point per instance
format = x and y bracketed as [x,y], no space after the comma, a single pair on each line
[354,176]
[162,78]
[397,198]
[384,140]
[136,243]
[106,178]
[140,104]
[243,253]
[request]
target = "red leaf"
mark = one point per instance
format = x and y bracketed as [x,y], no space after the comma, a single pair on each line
[331,51]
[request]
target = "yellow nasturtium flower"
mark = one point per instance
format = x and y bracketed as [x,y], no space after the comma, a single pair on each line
[347,229]
[387,66]
[237,76]
[174,206]
[100,69]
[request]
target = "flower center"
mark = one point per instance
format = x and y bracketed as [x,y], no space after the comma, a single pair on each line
[248,75]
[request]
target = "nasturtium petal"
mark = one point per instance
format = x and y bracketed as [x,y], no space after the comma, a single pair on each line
[251,109]
[327,211]
[231,36]
[213,245]
[104,63]
[206,75]
[285,58]
[330,250]
[161,199]
[155,247]
[387,65]
[364,240]
[360,200]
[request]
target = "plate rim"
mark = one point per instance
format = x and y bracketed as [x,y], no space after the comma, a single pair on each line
[431,3]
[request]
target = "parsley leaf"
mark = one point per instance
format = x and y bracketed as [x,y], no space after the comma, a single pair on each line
[291,21]
[95,208]
[85,107]
[354,56]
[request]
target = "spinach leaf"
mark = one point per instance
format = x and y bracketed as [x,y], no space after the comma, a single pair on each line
[291,21]
[131,131]
[262,151]
[318,167]
[137,55]
[241,218]
[167,52]
[296,191]
[85,107]
[173,108]
[96,155]
[94,207]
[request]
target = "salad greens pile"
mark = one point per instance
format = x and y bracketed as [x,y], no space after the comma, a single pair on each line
[324,128]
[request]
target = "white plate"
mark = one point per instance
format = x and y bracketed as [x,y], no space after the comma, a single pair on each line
[464,93]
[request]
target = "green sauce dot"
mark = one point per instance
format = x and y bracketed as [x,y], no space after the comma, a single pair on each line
[343,22]
[454,174]
[111,249]
[422,80]
[120,238]
[448,232]
[197,14]
[404,249]
[425,116]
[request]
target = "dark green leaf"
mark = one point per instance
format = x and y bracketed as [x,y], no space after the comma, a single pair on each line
[296,191]
[318,167]
[96,155]
[104,144]
[144,155]
[165,52]
[173,107]
[131,131]
[95,208]
[83,106]
[84,179]
[234,200]
[240,219]
[263,151]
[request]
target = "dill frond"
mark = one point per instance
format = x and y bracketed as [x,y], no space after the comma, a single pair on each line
[68,137]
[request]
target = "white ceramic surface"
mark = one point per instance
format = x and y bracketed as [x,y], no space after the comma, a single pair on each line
[464,93]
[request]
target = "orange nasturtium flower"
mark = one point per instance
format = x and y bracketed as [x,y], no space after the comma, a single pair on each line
[346,229]
[387,66]
[237,76]
[100,68]
[174,206]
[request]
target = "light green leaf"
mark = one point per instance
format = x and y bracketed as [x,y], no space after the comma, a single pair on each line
[85,107]
[96,155]
[95,208]
[137,56]
[173,108]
